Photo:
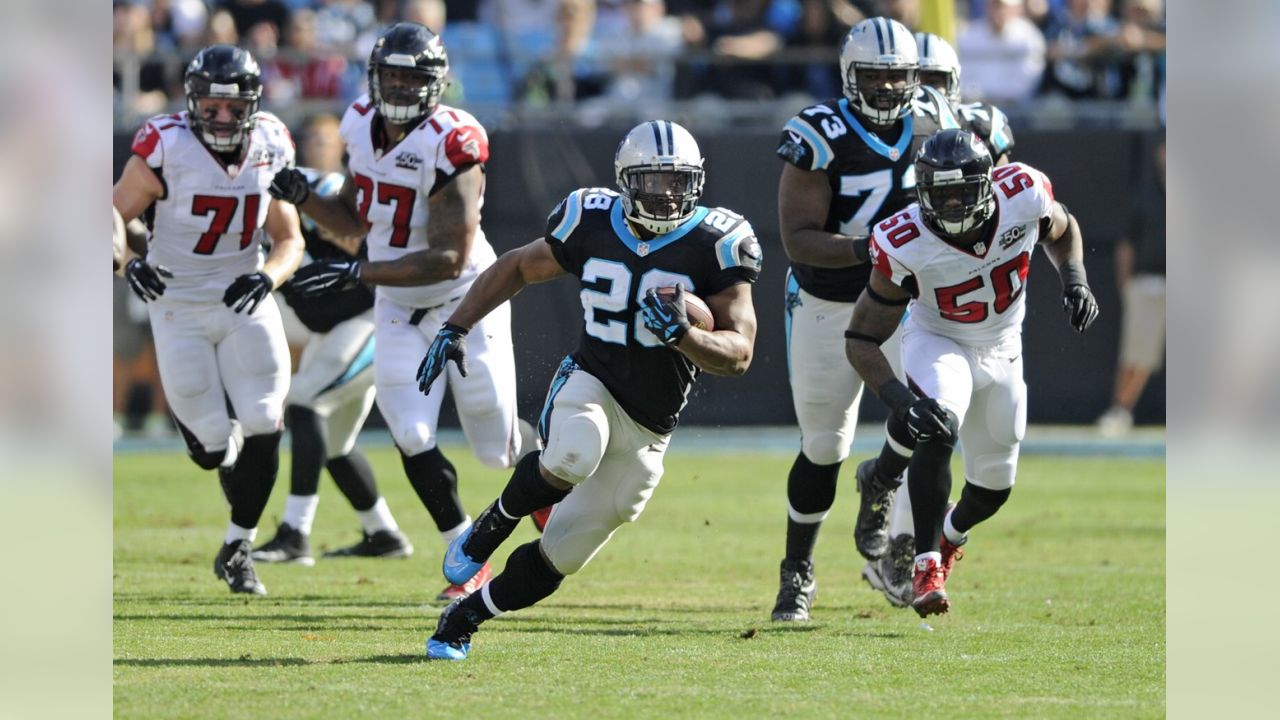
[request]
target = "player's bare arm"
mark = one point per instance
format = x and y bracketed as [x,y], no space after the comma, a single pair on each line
[804,198]
[337,214]
[501,281]
[454,217]
[135,233]
[287,245]
[875,318]
[136,189]
[728,349]
[1063,241]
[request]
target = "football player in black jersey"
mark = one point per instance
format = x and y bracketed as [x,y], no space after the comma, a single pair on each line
[940,70]
[329,398]
[615,401]
[848,166]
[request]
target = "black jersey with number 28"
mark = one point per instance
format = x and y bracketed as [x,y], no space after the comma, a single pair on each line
[871,177]
[591,239]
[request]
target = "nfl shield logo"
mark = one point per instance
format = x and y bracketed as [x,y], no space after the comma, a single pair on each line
[893,153]
[642,249]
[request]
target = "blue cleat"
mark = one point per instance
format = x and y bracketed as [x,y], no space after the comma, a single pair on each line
[458,567]
[438,650]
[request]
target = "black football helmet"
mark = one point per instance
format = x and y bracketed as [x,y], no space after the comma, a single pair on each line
[411,47]
[223,71]
[953,182]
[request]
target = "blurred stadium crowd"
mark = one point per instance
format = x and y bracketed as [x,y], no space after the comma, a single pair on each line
[602,58]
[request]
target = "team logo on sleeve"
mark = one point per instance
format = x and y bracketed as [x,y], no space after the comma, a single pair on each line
[792,150]
[468,143]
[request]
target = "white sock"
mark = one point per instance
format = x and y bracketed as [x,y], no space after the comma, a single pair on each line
[449,535]
[900,521]
[300,512]
[956,537]
[935,556]
[377,518]
[235,532]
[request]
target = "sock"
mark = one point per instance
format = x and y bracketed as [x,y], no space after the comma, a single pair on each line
[527,579]
[976,504]
[449,535]
[354,478]
[377,518]
[930,488]
[248,484]
[811,490]
[900,522]
[236,533]
[933,555]
[949,531]
[300,512]
[527,491]
[895,454]
[435,480]
[306,434]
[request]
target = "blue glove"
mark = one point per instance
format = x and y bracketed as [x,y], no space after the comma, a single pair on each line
[246,291]
[450,344]
[667,319]
[326,276]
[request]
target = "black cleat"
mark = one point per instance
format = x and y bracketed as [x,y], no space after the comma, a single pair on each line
[796,591]
[234,564]
[381,544]
[871,531]
[289,545]
[891,574]
[452,638]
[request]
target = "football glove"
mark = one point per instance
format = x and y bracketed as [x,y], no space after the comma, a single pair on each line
[450,344]
[925,418]
[1080,305]
[667,319]
[145,279]
[291,186]
[326,276]
[246,291]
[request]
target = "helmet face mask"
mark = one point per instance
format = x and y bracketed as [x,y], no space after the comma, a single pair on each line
[658,168]
[407,71]
[879,66]
[224,88]
[943,81]
[953,183]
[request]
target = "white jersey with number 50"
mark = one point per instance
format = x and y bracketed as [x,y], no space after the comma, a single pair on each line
[207,227]
[393,185]
[973,296]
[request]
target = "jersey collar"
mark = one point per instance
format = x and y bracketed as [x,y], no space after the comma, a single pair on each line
[894,152]
[654,244]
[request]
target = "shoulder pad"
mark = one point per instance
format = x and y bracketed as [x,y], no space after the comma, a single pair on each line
[738,246]
[935,106]
[564,219]
[806,138]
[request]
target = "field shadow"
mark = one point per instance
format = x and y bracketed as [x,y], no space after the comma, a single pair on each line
[400,659]
[209,662]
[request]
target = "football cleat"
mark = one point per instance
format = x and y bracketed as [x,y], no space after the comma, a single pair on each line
[797,589]
[542,517]
[927,586]
[891,574]
[234,564]
[381,544]
[875,499]
[458,591]
[458,567]
[452,638]
[289,545]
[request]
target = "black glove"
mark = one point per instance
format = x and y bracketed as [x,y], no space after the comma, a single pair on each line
[667,319]
[291,186]
[145,279]
[923,417]
[450,344]
[1080,305]
[247,291]
[326,276]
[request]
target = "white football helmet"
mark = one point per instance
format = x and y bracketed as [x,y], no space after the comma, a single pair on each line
[937,56]
[659,171]
[882,44]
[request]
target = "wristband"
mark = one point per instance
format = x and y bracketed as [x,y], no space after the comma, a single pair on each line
[457,329]
[1072,273]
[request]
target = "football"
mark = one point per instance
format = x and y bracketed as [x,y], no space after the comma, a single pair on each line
[697,309]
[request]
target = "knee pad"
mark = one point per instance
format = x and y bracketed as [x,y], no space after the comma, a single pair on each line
[262,418]
[413,440]
[827,447]
[575,450]
[496,458]
[993,472]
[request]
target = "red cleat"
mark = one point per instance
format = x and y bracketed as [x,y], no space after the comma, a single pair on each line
[456,592]
[542,517]
[950,555]
[930,596]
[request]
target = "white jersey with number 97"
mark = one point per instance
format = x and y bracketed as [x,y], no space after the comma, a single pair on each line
[974,296]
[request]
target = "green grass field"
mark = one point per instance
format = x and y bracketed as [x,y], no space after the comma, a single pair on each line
[1058,609]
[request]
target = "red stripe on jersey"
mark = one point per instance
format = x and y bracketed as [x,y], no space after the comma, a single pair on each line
[435,125]
[362,109]
[466,146]
[879,259]
[1048,186]
[145,141]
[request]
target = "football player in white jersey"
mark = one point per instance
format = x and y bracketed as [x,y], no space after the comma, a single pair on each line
[204,175]
[416,184]
[957,260]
